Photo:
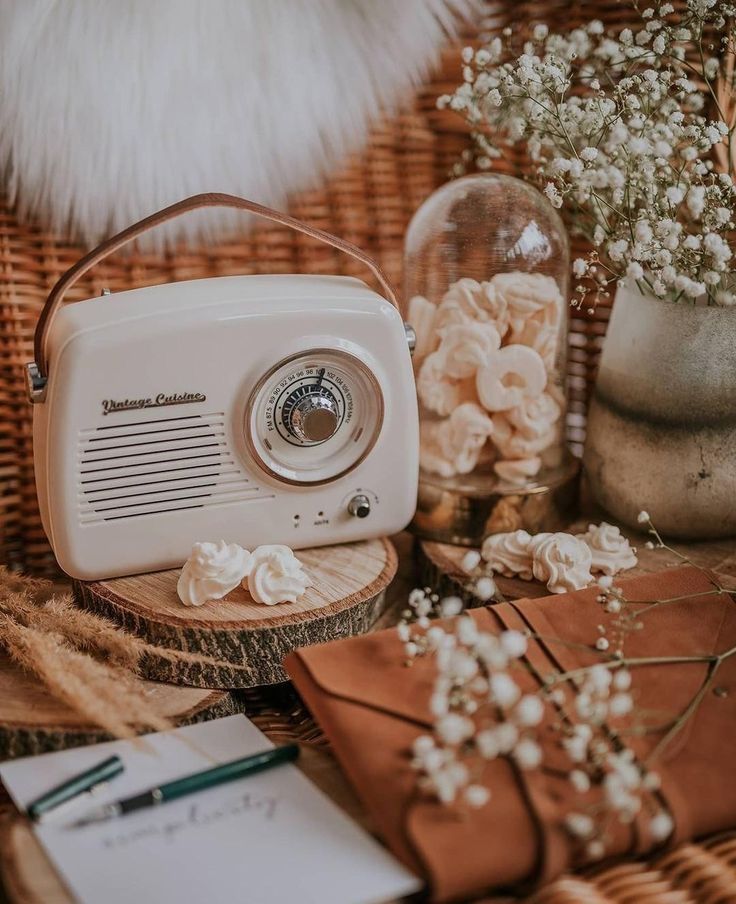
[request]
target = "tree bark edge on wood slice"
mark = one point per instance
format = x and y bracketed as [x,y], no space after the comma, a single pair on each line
[32,722]
[347,596]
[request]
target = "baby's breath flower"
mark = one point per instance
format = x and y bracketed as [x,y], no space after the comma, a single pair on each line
[471,560]
[661,826]
[450,606]
[504,690]
[485,588]
[553,194]
[620,705]
[528,754]
[580,780]
[580,825]
[484,707]
[632,152]
[476,796]
[514,643]
[529,711]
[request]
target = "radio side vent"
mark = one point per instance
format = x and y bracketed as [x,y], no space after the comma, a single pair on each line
[155,466]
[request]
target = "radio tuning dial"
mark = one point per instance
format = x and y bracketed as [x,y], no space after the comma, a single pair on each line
[314,418]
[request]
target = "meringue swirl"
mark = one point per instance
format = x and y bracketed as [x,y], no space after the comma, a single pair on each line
[611,551]
[529,295]
[422,315]
[439,392]
[276,576]
[515,444]
[563,561]
[511,375]
[468,301]
[509,554]
[211,572]
[533,417]
[465,347]
[454,446]
[518,471]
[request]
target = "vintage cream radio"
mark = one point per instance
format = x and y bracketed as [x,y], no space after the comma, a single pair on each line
[258,409]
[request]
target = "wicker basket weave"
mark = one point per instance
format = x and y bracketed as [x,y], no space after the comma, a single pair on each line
[369,201]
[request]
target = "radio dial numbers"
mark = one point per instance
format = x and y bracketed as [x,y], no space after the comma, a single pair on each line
[309,406]
[315,416]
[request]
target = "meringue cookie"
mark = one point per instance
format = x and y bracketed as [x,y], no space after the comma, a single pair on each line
[470,301]
[461,303]
[517,472]
[563,561]
[611,551]
[454,446]
[534,417]
[529,294]
[513,374]
[513,444]
[496,307]
[540,328]
[467,346]
[509,554]
[540,335]
[212,571]
[437,391]
[422,315]
[275,576]
[431,445]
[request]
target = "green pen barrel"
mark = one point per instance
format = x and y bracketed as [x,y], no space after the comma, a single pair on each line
[102,772]
[227,772]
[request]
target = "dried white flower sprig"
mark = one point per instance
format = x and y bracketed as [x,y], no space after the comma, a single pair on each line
[634,131]
[476,704]
[483,710]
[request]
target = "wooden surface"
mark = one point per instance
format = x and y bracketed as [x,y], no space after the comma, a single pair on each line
[692,874]
[346,596]
[31,721]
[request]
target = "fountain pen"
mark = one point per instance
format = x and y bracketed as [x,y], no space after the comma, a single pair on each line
[189,784]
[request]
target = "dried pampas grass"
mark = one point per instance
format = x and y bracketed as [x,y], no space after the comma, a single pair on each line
[83,660]
[101,694]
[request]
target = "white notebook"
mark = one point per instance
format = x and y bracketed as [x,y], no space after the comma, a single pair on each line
[270,837]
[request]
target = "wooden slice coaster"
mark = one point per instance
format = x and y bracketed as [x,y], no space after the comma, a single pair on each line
[440,564]
[346,597]
[31,721]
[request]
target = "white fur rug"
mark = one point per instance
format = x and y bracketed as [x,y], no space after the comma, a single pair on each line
[111,109]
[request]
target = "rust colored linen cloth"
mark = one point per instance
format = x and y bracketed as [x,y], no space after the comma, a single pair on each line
[372,706]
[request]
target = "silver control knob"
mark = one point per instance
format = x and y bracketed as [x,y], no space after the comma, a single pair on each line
[411,338]
[359,506]
[314,418]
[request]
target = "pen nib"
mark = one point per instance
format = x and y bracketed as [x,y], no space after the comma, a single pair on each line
[100,814]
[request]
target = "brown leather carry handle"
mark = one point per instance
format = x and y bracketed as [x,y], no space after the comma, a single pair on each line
[211,199]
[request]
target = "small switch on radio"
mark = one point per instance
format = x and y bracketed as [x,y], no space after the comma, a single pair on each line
[359,506]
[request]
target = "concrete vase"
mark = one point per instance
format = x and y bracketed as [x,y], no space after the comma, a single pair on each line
[662,422]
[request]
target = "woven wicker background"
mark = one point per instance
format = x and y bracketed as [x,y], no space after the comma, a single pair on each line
[369,201]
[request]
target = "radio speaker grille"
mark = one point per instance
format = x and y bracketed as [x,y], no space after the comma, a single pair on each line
[157,466]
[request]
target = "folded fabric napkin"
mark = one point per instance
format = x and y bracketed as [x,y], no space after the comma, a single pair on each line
[372,707]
